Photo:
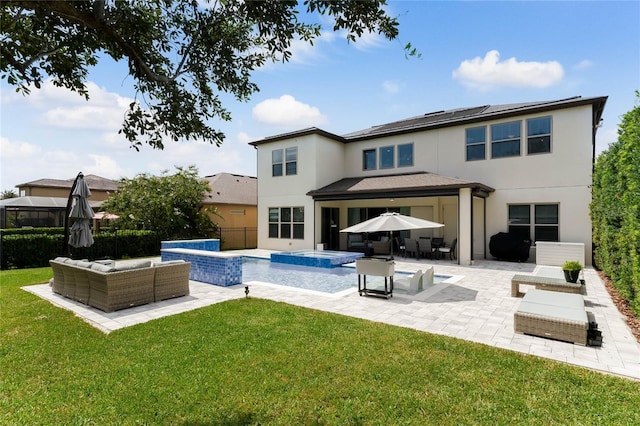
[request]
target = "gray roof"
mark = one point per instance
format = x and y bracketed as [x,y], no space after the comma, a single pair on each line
[298,133]
[395,186]
[455,117]
[95,183]
[228,188]
[452,117]
[41,202]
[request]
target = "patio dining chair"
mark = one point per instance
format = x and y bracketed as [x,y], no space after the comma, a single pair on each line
[411,247]
[451,250]
[424,248]
[436,243]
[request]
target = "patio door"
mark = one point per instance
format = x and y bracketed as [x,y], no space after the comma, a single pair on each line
[330,229]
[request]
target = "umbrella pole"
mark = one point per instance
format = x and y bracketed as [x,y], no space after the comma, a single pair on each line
[65,248]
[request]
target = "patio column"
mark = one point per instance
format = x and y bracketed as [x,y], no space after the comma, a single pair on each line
[465,201]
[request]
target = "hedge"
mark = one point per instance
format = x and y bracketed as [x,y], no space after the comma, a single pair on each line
[29,250]
[615,209]
[32,231]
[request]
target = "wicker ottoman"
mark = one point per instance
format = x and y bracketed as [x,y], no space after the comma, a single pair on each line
[551,314]
[543,283]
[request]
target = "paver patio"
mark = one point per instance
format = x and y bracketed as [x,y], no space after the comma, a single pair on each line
[477,307]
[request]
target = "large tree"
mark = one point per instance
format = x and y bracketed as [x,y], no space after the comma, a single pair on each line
[170,204]
[182,54]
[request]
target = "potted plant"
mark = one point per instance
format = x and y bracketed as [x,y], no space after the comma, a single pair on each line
[571,270]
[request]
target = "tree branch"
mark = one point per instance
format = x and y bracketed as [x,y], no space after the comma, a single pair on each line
[66,10]
[98,9]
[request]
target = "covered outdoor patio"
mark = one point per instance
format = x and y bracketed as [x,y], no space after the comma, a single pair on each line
[457,203]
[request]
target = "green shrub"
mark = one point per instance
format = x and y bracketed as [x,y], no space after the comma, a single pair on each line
[571,265]
[32,250]
[615,209]
[33,231]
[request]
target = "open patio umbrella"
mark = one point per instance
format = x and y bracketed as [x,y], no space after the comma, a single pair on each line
[82,213]
[392,222]
[105,215]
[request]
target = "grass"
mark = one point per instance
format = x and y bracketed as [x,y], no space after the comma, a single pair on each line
[254,361]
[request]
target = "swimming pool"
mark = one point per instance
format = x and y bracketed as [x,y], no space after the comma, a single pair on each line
[326,280]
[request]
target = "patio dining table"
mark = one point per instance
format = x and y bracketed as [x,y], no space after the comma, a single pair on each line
[436,243]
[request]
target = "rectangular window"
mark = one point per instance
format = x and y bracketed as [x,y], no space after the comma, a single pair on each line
[276,162]
[274,219]
[539,135]
[291,158]
[476,140]
[369,159]
[286,222]
[520,220]
[546,222]
[543,227]
[387,160]
[505,140]
[405,155]
[298,223]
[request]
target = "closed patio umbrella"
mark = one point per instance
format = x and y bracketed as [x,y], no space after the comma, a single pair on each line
[392,222]
[82,213]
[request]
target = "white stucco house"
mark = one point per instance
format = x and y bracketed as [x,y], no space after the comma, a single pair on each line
[524,168]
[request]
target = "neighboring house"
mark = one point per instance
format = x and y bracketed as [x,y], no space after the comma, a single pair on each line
[235,198]
[524,168]
[100,187]
[43,202]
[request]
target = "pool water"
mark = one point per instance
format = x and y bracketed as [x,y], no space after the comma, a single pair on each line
[316,258]
[326,280]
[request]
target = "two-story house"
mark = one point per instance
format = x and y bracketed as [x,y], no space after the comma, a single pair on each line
[524,168]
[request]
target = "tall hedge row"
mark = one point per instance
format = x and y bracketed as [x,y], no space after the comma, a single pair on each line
[615,209]
[28,250]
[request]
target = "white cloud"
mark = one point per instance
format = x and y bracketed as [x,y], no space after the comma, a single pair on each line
[391,86]
[36,163]
[9,149]
[63,108]
[84,117]
[104,111]
[287,112]
[605,137]
[369,40]
[105,166]
[489,72]
[584,64]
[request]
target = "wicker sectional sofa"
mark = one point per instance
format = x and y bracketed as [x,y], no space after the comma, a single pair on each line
[110,288]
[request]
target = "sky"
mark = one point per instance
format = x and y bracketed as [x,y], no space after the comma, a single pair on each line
[472,53]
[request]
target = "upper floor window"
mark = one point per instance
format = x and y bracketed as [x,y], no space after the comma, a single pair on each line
[405,155]
[539,135]
[276,162]
[284,160]
[476,140]
[291,161]
[505,139]
[369,159]
[387,157]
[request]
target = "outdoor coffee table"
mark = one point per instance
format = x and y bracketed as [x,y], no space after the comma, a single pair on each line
[551,314]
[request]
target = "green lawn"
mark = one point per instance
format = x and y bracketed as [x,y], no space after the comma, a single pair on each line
[253,361]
